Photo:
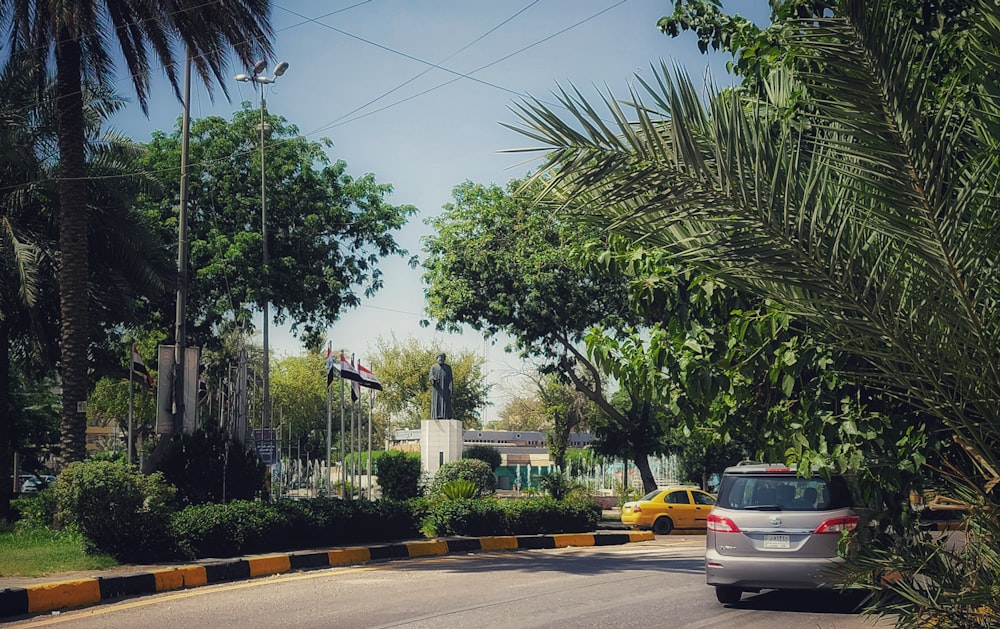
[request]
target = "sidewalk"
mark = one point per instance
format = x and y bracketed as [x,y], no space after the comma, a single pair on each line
[26,596]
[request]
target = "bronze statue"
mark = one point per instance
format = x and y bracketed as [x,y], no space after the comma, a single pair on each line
[441,386]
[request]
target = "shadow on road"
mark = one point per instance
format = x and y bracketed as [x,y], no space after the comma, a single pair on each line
[814,602]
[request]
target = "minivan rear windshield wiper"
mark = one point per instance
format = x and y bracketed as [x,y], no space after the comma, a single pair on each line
[762,508]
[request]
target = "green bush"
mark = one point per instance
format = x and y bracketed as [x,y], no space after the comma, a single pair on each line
[475,470]
[487,454]
[208,466]
[243,527]
[36,510]
[535,516]
[465,516]
[398,474]
[225,530]
[460,488]
[492,516]
[557,485]
[120,511]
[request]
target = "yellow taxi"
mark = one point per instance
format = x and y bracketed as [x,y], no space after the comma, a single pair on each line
[669,509]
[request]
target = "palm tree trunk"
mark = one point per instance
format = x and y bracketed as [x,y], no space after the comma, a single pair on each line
[6,444]
[74,248]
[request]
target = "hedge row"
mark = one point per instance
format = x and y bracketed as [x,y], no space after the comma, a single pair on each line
[131,517]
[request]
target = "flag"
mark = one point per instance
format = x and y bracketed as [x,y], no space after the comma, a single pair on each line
[348,370]
[139,367]
[368,379]
[355,382]
[330,373]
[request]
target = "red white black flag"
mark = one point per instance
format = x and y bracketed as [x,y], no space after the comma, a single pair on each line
[139,367]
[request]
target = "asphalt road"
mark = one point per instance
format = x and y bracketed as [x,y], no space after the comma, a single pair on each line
[647,584]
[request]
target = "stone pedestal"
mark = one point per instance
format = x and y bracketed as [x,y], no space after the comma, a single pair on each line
[440,443]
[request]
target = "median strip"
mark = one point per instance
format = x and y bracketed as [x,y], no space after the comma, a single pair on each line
[60,595]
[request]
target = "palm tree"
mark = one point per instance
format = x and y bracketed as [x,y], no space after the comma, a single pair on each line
[25,242]
[76,35]
[860,190]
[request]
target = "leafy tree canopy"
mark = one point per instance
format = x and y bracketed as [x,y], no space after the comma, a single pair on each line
[404,366]
[326,230]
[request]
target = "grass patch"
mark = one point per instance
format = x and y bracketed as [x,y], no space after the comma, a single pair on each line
[35,552]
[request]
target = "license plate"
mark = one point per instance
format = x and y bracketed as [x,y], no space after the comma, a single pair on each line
[776,541]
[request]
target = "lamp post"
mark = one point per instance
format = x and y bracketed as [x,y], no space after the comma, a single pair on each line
[258,78]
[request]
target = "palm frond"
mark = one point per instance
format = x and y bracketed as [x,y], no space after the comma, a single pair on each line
[869,210]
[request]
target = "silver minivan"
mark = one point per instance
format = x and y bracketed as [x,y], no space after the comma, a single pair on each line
[773,529]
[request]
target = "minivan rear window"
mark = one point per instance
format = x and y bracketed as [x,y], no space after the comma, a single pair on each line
[784,492]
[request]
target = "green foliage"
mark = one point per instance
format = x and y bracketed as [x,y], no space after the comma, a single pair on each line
[242,527]
[120,511]
[557,485]
[474,470]
[456,489]
[225,530]
[487,454]
[208,466]
[404,366]
[36,510]
[398,474]
[493,516]
[35,551]
[328,230]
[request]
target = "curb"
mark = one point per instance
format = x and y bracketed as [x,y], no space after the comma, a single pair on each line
[60,595]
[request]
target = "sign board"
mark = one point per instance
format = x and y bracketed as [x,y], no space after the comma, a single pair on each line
[265,439]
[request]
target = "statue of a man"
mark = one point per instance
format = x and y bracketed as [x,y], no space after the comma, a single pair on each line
[441,385]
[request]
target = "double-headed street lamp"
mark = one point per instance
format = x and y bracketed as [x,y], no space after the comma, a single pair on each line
[258,77]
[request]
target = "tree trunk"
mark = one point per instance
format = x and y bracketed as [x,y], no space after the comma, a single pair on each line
[645,473]
[6,443]
[73,247]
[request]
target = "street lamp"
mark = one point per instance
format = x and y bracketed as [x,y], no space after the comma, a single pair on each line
[258,78]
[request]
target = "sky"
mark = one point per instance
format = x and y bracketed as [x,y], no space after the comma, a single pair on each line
[415,91]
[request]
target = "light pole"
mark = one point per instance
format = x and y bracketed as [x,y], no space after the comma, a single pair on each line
[258,78]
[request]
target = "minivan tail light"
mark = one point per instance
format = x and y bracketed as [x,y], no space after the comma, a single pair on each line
[837,525]
[721,524]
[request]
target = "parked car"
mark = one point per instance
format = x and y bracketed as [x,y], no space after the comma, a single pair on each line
[774,529]
[34,483]
[682,509]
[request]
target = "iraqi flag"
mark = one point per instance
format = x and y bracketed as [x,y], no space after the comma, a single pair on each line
[343,368]
[368,379]
[139,367]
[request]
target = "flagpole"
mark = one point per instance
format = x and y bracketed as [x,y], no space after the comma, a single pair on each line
[130,388]
[327,482]
[371,406]
[343,462]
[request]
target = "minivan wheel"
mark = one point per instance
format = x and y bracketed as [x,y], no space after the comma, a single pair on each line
[728,595]
[663,526]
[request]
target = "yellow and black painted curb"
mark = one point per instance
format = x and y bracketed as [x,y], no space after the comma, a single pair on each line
[59,595]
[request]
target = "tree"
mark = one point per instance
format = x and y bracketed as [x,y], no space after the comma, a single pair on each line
[127,264]
[298,388]
[404,370]
[862,198]
[327,230]
[76,36]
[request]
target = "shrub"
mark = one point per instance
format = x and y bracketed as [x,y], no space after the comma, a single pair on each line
[225,530]
[546,515]
[460,488]
[209,466]
[492,516]
[487,454]
[557,485]
[475,470]
[36,511]
[120,511]
[398,474]
[465,516]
